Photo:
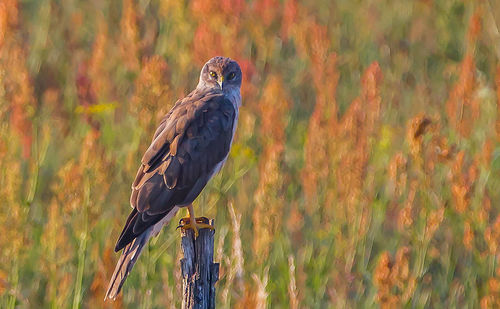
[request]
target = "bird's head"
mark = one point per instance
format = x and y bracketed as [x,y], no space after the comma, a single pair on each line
[221,73]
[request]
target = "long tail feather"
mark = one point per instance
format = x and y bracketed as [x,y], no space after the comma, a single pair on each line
[129,256]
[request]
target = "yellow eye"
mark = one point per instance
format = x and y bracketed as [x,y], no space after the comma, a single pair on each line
[213,74]
[231,76]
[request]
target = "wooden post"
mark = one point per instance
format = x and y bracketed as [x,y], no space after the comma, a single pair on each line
[199,272]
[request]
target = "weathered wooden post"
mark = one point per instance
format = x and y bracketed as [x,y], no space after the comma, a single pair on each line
[199,272]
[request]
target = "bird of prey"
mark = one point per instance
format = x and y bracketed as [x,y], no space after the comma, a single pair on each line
[189,147]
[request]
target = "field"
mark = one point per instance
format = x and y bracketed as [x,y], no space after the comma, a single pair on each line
[365,171]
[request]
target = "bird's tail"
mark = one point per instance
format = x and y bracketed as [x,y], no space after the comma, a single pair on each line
[129,256]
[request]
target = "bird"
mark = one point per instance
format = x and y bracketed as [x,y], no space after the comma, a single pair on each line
[190,145]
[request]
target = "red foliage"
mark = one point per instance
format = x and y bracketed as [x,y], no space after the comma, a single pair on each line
[290,15]
[86,93]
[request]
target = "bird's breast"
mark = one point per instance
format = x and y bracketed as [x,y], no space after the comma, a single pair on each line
[235,98]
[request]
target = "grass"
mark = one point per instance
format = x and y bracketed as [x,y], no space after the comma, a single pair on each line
[365,171]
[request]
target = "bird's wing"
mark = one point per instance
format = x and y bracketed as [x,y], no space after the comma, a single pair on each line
[191,140]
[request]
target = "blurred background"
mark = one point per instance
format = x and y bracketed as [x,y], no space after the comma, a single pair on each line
[365,171]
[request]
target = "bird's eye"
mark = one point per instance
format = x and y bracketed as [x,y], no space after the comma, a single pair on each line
[213,74]
[231,76]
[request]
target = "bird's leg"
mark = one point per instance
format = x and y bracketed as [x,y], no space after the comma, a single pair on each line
[194,223]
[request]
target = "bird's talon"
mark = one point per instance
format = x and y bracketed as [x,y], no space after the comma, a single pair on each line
[199,223]
[193,227]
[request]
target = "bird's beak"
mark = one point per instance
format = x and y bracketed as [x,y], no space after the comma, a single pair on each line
[221,82]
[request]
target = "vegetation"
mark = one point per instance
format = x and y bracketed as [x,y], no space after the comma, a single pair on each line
[365,171]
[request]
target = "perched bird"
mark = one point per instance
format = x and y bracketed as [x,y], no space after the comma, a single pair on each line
[189,147]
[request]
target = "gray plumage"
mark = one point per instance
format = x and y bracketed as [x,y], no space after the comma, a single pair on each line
[127,260]
[190,145]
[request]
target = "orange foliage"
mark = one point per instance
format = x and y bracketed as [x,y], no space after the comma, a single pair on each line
[351,141]
[98,62]
[323,118]
[497,84]
[393,280]
[152,97]
[14,76]
[463,179]
[266,219]
[462,108]
[129,38]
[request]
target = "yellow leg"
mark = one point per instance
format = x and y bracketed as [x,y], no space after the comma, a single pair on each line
[194,223]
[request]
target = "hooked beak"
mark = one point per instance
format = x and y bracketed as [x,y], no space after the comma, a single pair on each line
[221,82]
